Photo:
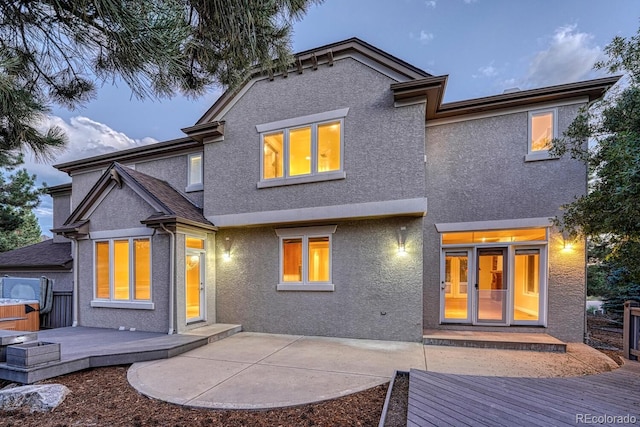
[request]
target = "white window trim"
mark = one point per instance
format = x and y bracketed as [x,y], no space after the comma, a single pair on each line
[305,233]
[131,303]
[197,186]
[533,156]
[285,126]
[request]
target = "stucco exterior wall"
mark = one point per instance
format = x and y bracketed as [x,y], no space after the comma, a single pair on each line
[476,171]
[378,294]
[383,145]
[173,170]
[81,183]
[61,211]
[112,215]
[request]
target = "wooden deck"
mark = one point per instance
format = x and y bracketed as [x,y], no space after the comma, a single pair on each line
[83,348]
[461,400]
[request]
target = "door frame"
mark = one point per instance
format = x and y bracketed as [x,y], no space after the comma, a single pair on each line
[506,280]
[472,253]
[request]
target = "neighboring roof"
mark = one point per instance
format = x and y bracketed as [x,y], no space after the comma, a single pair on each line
[172,207]
[136,154]
[433,89]
[44,255]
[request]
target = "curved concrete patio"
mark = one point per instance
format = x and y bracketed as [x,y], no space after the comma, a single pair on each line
[258,371]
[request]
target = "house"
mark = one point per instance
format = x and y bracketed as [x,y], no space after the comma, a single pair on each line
[342,198]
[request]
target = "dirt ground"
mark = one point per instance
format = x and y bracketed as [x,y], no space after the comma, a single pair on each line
[103,397]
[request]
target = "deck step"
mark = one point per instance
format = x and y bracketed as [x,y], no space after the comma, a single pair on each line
[215,332]
[497,340]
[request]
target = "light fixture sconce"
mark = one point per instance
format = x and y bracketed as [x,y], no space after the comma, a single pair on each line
[226,255]
[567,242]
[402,239]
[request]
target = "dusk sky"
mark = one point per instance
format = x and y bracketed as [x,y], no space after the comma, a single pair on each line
[485,46]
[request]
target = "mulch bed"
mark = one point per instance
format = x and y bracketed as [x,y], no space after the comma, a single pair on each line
[103,397]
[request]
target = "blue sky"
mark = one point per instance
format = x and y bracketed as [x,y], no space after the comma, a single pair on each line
[485,46]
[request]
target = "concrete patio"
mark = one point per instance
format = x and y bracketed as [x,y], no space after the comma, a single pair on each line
[257,371]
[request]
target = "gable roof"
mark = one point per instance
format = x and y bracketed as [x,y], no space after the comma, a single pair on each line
[172,207]
[321,56]
[46,255]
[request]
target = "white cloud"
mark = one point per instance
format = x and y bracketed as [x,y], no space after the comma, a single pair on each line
[86,138]
[569,57]
[430,3]
[425,37]
[486,71]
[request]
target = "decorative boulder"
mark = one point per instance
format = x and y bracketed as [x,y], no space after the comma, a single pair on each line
[36,398]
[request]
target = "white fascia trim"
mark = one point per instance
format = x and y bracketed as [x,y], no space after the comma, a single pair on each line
[125,232]
[403,207]
[131,305]
[303,120]
[503,224]
[523,109]
[320,287]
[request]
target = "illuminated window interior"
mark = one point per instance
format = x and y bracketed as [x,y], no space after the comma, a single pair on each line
[292,260]
[142,268]
[541,131]
[495,236]
[308,150]
[300,151]
[102,270]
[526,284]
[329,147]
[306,259]
[195,169]
[194,243]
[318,259]
[193,281]
[456,285]
[273,155]
[120,263]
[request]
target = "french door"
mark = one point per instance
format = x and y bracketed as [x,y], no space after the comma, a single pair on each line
[500,286]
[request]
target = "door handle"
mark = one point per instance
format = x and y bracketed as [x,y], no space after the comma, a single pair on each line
[476,286]
[443,286]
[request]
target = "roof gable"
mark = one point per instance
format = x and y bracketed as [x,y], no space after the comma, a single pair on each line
[170,205]
[322,56]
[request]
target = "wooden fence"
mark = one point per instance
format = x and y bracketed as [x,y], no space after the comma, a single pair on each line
[61,312]
[631,331]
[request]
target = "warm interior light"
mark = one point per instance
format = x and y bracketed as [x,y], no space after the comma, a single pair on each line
[402,237]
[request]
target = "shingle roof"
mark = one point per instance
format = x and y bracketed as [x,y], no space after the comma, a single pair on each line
[47,254]
[175,204]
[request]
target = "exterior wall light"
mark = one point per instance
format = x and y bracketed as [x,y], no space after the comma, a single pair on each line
[226,255]
[402,239]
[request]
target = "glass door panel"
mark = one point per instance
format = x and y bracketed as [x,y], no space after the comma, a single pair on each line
[491,286]
[194,286]
[526,285]
[455,286]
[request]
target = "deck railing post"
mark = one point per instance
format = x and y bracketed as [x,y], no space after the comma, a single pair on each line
[630,331]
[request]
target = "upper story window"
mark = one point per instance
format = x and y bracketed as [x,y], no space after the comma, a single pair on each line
[194,167]
[304,149]
[543,128]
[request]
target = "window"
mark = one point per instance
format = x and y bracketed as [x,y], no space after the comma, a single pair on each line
[542,130]
[195,172]
[305,258]
[304,149]
[123,272]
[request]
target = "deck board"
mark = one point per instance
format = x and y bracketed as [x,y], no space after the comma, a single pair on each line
[446,399]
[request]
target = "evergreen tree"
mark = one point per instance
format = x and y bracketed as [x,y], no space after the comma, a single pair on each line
[610,211]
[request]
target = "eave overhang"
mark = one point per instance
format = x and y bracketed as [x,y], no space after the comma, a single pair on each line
[137,154]
[204,132]
[74,230]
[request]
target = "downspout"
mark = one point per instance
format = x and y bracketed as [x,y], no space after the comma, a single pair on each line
[74,311]
[172,251]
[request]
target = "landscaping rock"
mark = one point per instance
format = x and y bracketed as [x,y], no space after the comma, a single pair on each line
[35,398]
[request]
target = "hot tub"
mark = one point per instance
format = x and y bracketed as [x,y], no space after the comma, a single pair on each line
[19,314]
